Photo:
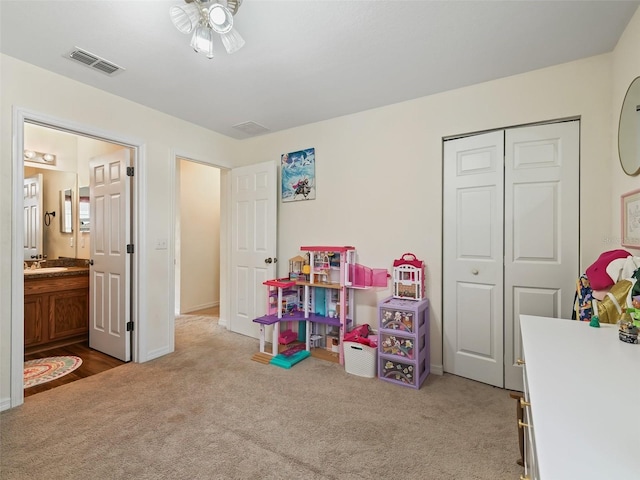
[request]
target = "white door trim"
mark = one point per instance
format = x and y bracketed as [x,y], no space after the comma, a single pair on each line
[21,115]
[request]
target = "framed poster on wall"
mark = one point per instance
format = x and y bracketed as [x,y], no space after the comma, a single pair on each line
[298,173]
[630,206]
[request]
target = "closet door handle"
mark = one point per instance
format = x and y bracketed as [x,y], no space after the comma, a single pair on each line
[91,262]
[268,260]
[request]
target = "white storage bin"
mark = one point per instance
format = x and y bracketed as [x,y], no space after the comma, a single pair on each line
[360,359]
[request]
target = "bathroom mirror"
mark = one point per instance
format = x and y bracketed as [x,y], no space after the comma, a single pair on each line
[55,184]
[66,210]
[83,208]
[629,130]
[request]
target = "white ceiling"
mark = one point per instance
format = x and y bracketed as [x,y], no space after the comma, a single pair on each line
[306,61]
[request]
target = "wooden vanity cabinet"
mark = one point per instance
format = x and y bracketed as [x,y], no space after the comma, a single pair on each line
[56,311]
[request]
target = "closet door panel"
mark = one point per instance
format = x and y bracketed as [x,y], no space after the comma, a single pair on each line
[473,257]
[541,229]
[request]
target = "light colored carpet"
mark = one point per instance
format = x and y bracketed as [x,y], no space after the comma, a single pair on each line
[208,412]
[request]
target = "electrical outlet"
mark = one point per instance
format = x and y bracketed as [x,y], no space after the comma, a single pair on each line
[161,244]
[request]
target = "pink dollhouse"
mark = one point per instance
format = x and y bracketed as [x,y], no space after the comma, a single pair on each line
[408,277]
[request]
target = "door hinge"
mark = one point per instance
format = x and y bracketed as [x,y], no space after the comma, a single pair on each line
[129,171]
[130,248]
[129,326]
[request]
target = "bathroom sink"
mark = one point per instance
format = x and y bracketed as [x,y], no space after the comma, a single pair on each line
[45,270]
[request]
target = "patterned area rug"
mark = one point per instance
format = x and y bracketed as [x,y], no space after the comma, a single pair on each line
[44,370]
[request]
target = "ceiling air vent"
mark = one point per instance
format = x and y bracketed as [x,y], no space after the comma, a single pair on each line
[93,61]
[251,128]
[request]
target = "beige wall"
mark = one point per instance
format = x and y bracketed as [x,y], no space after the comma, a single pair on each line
[199,236]
[34,89]
[379,173]
[625,67]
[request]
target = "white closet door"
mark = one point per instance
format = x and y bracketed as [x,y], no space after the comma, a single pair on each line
[541,229]
[473,257]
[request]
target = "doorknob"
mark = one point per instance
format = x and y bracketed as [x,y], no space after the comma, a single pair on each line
[475,271]
[268,260]
[91,262]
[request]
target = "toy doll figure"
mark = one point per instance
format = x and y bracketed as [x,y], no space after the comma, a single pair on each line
[634,312]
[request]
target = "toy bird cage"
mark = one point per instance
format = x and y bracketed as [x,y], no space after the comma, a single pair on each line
[408,277]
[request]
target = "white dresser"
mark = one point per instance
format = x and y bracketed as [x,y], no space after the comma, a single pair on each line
[583,385]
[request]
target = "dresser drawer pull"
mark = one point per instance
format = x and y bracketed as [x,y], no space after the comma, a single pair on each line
[521,424]
[524,404]
[519,361]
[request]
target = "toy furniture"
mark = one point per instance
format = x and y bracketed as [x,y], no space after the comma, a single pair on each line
[403,344]
[282,305]
[408,277]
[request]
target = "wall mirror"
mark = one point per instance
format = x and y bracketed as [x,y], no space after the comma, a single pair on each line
[66,210]
[59,193]
[629,130]
[83,208]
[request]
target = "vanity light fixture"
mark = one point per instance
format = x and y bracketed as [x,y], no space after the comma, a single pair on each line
[204,18]
[39,157]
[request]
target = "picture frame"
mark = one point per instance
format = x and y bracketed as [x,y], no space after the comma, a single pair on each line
[630,219]
[298,175]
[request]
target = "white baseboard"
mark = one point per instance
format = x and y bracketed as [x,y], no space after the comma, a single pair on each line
[5,404]
[195,308]
[223,323]
[436,369]
[158,353]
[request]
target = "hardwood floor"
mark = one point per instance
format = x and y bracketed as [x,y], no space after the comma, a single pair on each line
[93,362]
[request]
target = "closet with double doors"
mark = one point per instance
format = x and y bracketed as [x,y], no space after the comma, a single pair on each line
[510,242]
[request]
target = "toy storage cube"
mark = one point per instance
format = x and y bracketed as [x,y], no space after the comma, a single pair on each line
[396,344]
[401,372]
[403,348]
[392,318]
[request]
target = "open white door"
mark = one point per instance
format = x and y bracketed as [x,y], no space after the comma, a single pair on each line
[32,217]
[254,199]
[110,193]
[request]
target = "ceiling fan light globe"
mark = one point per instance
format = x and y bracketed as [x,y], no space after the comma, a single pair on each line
[232,41]
[185,17]
[202,40]
[220,18]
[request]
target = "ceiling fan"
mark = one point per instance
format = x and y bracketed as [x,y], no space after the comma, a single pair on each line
[204,19]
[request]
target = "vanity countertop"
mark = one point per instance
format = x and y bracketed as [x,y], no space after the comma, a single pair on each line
[45,272]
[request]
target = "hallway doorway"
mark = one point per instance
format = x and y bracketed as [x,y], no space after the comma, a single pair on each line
[197,237]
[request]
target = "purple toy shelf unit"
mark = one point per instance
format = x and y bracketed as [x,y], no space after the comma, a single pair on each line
[403,345]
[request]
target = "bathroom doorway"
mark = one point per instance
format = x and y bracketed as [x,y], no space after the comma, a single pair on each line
[72,148]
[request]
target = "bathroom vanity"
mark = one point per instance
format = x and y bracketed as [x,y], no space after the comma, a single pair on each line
[56,307]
